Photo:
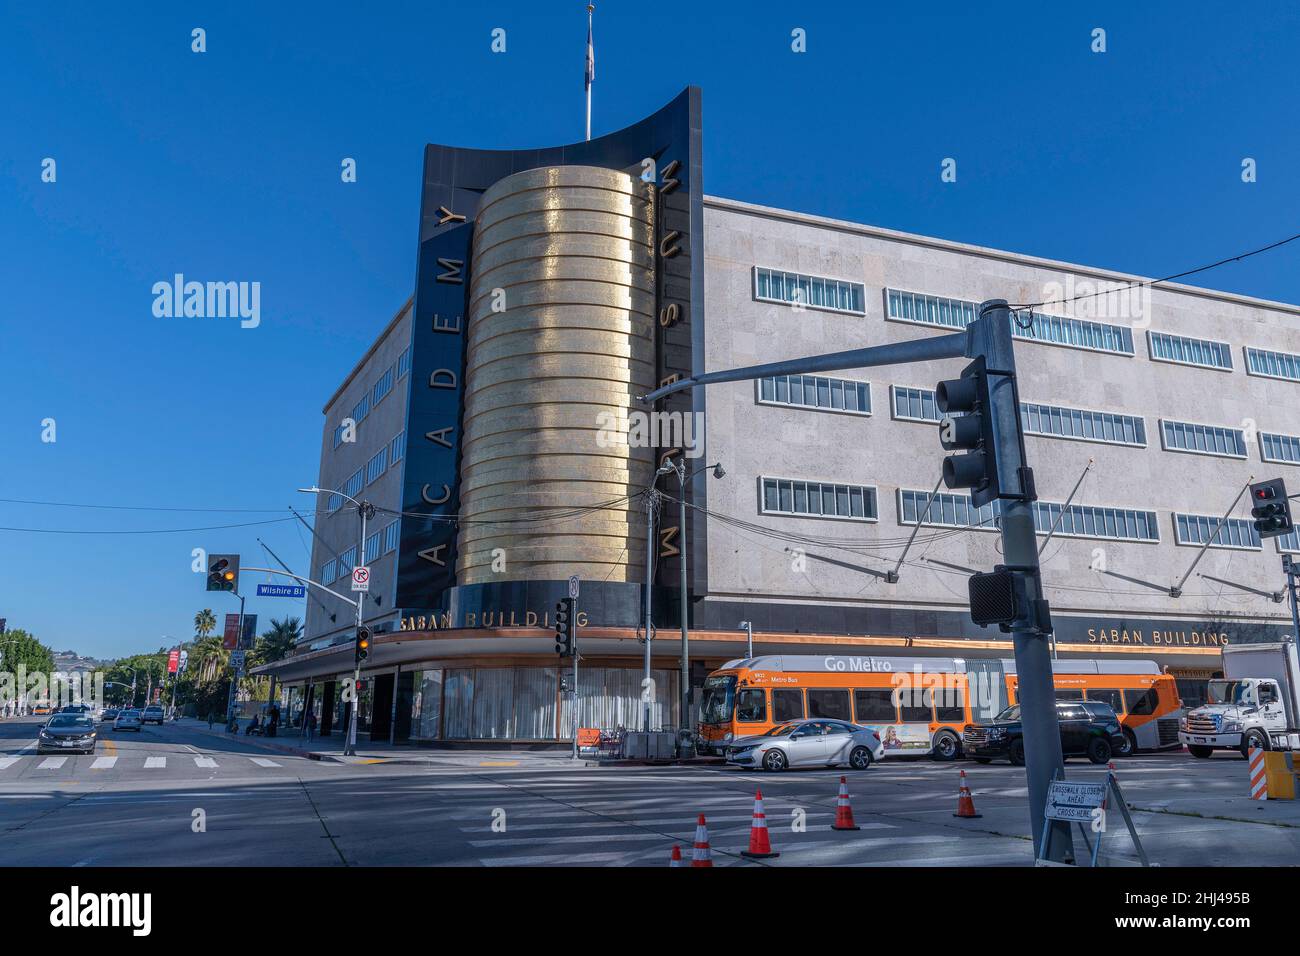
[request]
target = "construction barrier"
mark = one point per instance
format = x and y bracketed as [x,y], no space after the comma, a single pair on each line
[760,846]
[965,803]
[844,809]
[1279,774]
[1258,777]
[701,853]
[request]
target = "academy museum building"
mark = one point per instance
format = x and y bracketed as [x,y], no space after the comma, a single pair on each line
[495,437]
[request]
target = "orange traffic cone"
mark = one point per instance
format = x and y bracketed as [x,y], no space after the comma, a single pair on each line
[759,845]
[965,805]
[676,858]
[844,809]
[701,854]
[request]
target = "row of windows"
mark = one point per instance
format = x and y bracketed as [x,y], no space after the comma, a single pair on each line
[377,465]
[796,288]
[1273,364]
[957,314]
[1085,425]
[354,484]
[1205,439]
[814,391]
[341,567]
[1078,521]
[1235,532]
[397,447]
[1189,351]
[378,393]
[785,496]
[1280,448]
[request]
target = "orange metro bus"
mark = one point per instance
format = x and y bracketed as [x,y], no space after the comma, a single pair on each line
[921,705]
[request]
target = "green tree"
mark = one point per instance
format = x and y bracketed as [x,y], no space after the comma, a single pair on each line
[205,622]
[19,647]
[277,642]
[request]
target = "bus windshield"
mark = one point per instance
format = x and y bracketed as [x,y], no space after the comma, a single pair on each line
[719,699]
[1229,692]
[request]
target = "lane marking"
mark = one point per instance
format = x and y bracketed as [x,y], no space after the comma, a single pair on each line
[155,763]
[7,762]
[204,762]
[52,763]
[263,762]
[103,763]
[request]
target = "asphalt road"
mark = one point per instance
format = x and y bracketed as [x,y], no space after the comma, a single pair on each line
[137,800]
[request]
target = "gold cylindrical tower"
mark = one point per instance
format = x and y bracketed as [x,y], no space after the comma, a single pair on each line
[559,344]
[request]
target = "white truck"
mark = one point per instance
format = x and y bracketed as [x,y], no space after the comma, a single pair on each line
[1256,703]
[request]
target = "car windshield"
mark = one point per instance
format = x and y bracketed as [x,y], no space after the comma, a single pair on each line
[719,699]
[1228,692]
[129,713]
[1011,713]
[69,720]
[781,730]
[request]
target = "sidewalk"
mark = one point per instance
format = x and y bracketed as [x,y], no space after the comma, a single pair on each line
[331,749]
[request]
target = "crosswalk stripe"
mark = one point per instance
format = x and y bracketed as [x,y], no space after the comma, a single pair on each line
[7,762]
[52,763]
[155,763]
[263,762]
[204,762]
[103,763]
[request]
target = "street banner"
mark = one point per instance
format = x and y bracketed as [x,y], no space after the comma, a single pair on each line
[173,661]
[250,632]
[230,636]
[184,659]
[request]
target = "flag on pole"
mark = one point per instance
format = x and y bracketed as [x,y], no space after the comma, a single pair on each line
[591,52]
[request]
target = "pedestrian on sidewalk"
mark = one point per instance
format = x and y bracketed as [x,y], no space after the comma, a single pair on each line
[212,719]
[309,725]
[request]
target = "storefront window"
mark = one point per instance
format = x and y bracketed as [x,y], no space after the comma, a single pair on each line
[426,705]
[610,697]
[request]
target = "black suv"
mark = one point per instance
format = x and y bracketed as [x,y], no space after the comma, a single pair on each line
[1089,729]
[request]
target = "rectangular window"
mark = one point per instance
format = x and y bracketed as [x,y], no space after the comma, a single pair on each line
[1183,350]
[354,485]
[377,465]
[914,706]
[790,497]
[392,534]
[946,510]
[914,404]
[828,703]
[787,704]
[347,561]
[1090,521]
[334,503]
[813,391]
[361,409]
[1235,533]
[875,706]
[833,295]
[751,705]
[404,362]
[372,547]
[1141,701]
[329,571]
[1109,696]
[1282,365]
[1056,330]
[397,447]
[1283,449]
[1083,425]
[382,387]
[338,435]
[1203,439]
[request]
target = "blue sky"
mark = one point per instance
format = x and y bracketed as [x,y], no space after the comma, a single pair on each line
[225,166]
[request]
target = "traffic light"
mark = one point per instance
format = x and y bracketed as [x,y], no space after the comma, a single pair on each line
[566,628]
[362,644]
[968,425]
[1272,510]
[223,572]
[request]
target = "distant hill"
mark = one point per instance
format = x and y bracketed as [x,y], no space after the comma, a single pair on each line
[69,661]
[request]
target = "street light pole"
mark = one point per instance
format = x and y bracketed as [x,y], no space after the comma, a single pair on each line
[651,502]
[749,638]
[365,509]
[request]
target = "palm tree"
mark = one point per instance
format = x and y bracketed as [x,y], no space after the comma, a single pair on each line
[276,644]
[205,622]
[210,656]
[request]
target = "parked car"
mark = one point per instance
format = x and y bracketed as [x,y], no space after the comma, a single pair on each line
[153,714]
[67,732]
[128,720]
[1089,728]
[110,713]
[808,743]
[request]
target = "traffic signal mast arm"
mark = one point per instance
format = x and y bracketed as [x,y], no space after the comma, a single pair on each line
[309,581]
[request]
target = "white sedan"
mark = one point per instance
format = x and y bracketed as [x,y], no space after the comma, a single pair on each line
[808,743]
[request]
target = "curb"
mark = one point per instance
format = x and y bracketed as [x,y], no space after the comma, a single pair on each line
[256,742]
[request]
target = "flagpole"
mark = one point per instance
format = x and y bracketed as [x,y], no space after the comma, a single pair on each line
[591,62]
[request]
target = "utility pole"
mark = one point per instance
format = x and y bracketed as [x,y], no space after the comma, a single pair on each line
[365,509]
[998,449]
[749,638]
[1289,567]
[651,505]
